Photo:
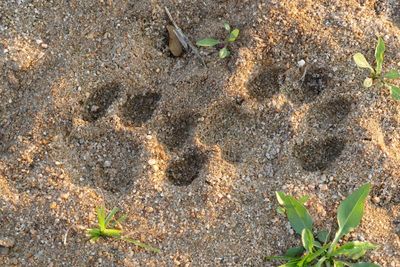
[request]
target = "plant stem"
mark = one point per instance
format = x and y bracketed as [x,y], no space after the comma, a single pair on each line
[334,243]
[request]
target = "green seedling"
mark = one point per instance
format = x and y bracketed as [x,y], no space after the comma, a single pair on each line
[106,229]
[211,42]
[317,250]
[376,75]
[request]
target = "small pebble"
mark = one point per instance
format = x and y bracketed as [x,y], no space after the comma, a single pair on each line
[94,108]
[152,162]
[323,187]
[376,199]
[301,63]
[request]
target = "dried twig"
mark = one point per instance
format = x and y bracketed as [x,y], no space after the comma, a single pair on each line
[183,39]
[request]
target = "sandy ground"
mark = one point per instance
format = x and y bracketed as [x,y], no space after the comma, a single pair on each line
[96,111]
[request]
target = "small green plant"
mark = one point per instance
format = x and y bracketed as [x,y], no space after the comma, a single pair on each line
[224,51]
[376,75]
[319,251]
[107,224]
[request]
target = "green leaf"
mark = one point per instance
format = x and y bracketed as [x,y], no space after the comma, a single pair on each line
[279,258]
[338,263]
[354,250]
[297,214]
[379,53]
[307,239]
[111,232]
[365,264]
[316,254]
[394,91]
[294,252]
[320,261]
[362,62]
[368,82]
[111,215]
[317,244]
[142,245]
[233,35]
[101,218]
[280,196]
[224,52]
[292,263]
[351,210]
[393,74]
[323,236]
[227,26]
[93,232]
[208,42]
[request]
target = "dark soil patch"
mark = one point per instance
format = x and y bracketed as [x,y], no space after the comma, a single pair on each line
[327,115]
[315,81]
[100,100]
[176,131]
[184,171]
[266,83]
[314,155]
[139,109]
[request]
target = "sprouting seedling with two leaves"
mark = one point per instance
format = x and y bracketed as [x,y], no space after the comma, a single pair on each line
[321,252]
[224,51]
[107,229]
[376,75]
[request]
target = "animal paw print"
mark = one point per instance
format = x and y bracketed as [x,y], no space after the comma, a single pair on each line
[100,100]
[322,143]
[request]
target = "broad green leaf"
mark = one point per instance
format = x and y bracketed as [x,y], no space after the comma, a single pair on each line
[379,53]
[224,52]
[394,91]
[297,214]
[227,26]
[338,263]
[393,74]
[307,239]
[316,254]
[233,35]
[142,245]
[207,42]
[323,236]
[362,62]
[101,218]
[351,210]
[354,250]
[280,196]
[111,215]
[368,82]
[317,244]
[292,263]
[320,262]
[365,264]
[270,258]
[294,252]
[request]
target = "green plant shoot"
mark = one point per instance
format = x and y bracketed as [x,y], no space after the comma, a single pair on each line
[224,51]
[376,76]
[106,229]
[319,251]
